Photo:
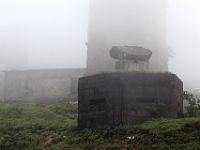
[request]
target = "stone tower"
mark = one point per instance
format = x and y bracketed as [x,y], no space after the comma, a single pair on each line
[126,23]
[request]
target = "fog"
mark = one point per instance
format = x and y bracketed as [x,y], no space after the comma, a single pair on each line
[114,26]
[43,33]
[183,38]
[38,34]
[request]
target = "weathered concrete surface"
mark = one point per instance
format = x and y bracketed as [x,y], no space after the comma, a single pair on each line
[40,83]
[127,98]
[131,58]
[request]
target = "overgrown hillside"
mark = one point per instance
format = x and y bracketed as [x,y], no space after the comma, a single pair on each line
[53,127]
[34,127]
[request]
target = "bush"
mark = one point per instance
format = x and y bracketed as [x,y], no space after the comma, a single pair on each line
[194,104]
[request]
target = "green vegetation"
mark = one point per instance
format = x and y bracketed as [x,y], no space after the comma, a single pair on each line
[48,100]
[25,126]
[193,109]
[33,127]
[135,72]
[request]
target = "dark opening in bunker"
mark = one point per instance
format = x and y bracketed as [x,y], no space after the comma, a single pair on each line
[97,101]
[146,100]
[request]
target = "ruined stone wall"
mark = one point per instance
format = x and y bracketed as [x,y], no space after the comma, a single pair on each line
[127,98]
[40,83]
[2,77]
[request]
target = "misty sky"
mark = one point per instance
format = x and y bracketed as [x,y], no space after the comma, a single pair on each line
[184,39]
[53,33]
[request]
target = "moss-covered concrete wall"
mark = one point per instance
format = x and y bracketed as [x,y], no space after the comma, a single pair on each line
[126,98]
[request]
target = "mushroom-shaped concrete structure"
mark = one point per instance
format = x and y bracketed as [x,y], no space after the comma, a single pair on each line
[131,58]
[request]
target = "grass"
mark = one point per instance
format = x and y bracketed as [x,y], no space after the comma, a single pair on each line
[29,126]
[121,72]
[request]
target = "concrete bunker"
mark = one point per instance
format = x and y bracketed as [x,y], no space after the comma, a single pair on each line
[127,98]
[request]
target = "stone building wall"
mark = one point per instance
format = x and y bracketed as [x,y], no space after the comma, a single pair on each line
[40,83]
[127,98]
[2,76]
